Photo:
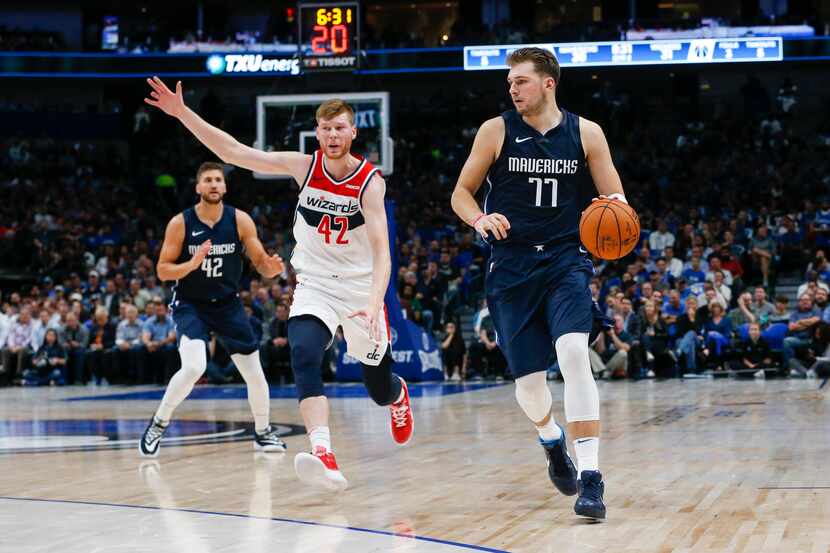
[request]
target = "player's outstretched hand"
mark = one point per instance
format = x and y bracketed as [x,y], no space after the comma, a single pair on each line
[171,103]
[201,253]
[495,223]
[370,316]
[272,266]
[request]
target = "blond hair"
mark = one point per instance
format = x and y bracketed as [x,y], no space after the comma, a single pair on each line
[334,107]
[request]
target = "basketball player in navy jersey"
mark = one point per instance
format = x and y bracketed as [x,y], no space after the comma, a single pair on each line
[202,252]
[538,161]
[342,262]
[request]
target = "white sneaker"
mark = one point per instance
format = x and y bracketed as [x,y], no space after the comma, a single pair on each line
[319,468]
[148,445]
[760,374]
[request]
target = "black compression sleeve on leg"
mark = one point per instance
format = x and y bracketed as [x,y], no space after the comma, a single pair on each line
[308,338]
[383,385]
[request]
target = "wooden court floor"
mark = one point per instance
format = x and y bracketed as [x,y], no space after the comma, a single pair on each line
[690,466]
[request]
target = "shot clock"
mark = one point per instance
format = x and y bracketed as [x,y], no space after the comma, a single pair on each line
[329,35]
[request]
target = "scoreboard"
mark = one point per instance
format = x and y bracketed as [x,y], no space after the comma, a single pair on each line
[636,52]
[329,36]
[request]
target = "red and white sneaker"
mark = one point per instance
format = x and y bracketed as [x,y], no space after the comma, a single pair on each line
[402,424]
[319,468]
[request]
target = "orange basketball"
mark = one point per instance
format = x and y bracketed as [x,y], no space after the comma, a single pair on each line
[609,229]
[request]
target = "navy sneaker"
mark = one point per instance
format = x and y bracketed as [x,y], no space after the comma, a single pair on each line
[591,489]
[269,441]
[561,469]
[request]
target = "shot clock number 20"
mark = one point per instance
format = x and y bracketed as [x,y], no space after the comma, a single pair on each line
[329,35]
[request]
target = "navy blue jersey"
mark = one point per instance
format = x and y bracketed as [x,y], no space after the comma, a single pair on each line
[540,182]
[218,277]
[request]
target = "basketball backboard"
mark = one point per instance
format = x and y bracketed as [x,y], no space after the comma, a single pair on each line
[286,122]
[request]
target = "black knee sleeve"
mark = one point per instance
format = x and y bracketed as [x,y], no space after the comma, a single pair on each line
[308,338]
[383,385]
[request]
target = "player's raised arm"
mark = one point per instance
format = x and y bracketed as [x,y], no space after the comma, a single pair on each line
[598,155]
[485,150]
[226,147]
[268,266]
[167,268]
[375,216]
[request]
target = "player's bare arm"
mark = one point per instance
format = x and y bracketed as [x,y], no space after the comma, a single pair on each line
[598,156]
[485,150]
[374,210]
[167,268]
[268,266]
[226,147]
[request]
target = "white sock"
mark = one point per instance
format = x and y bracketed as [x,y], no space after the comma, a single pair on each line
[550,431]
[587,454]
[258,393]
[400,397]
[320,436]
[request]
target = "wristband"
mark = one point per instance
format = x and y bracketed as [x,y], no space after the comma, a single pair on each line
[473,224]
[618,196]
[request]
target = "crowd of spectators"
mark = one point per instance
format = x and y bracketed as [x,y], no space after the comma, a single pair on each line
[84,219]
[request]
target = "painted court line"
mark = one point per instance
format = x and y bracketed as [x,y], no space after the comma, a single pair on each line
[274,519]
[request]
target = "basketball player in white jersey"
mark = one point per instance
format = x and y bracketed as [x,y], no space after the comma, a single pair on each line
[342,262]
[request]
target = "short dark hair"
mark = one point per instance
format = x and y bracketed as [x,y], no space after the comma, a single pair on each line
[544,62]
[209,166]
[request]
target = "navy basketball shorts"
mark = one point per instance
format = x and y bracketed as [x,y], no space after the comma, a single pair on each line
[225,318]
[534,298]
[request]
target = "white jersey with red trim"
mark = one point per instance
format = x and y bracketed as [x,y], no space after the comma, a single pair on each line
[329,227]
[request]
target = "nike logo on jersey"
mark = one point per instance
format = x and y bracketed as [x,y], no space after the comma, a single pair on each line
[525,139]
[194,233]
[353,187]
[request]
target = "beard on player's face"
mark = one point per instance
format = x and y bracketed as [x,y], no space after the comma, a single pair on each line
[338,150]
[532,104]
[212,198]
[337,154]
[335,136]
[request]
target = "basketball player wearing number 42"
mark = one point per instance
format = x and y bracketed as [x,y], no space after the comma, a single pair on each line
[538,162]
[342,262]
[202,252]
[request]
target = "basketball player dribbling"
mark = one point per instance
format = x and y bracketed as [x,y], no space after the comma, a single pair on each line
[202,252]
[342,262]
[538,161]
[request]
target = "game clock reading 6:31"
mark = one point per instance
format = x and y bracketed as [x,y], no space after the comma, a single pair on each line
[329,29]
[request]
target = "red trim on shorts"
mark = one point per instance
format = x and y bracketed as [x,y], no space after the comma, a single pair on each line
[388,331]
